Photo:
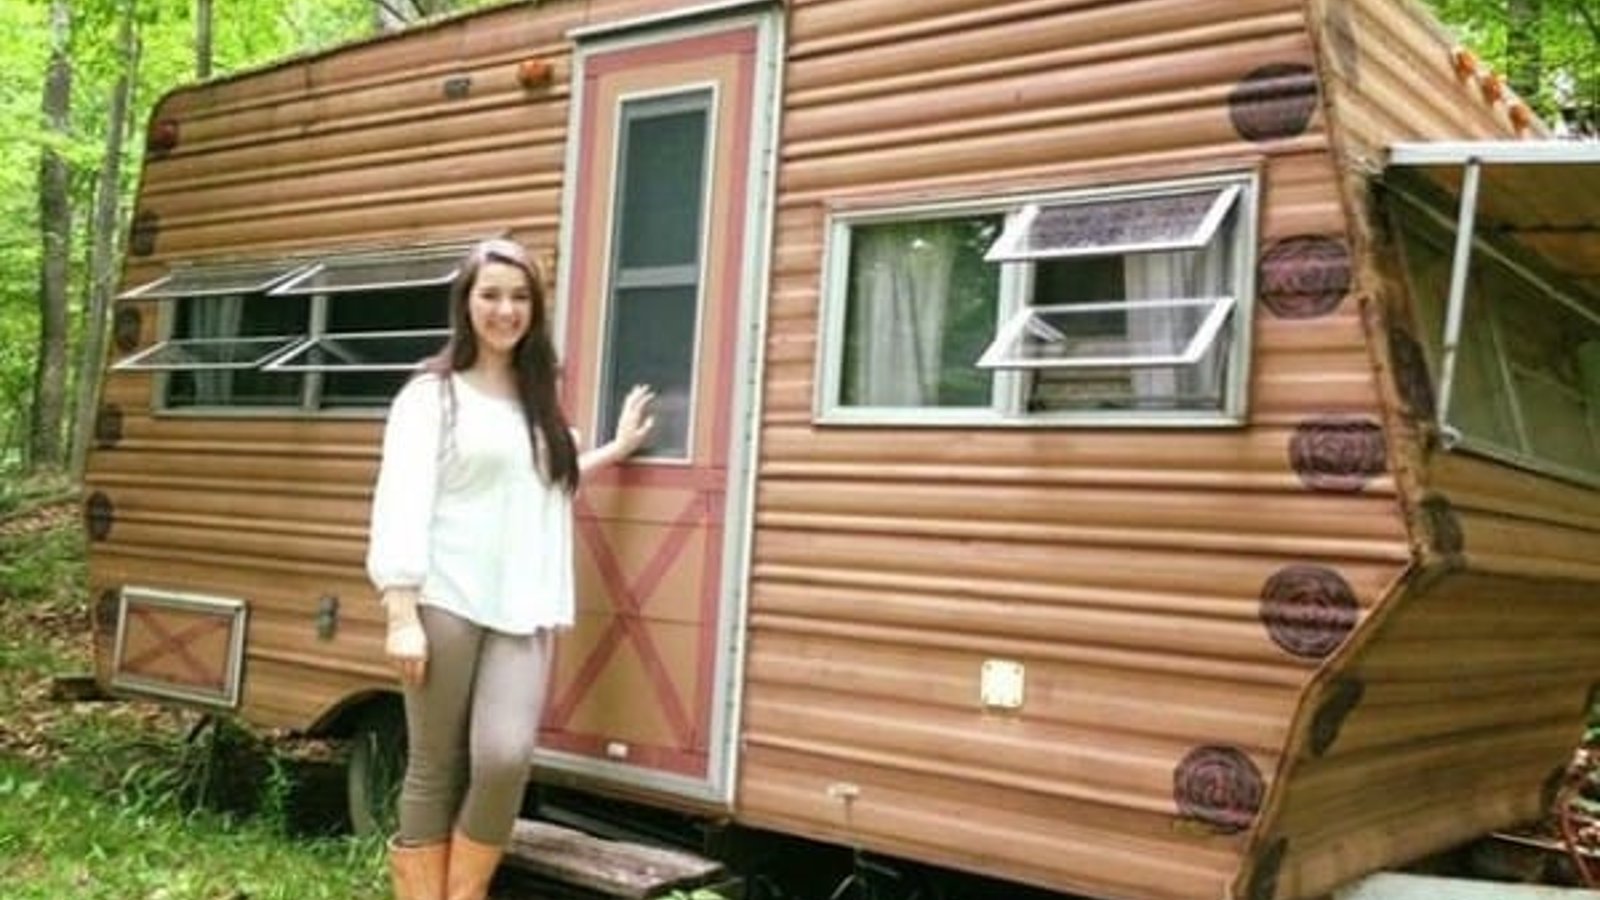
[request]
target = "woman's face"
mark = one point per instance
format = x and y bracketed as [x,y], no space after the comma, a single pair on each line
[500,307]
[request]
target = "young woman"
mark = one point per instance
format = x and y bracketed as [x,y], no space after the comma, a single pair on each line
[471,547]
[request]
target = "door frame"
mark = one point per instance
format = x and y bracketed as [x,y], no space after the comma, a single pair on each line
[766,18]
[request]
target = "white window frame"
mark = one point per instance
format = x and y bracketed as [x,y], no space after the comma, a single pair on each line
[167,286]
[1007,408]
[275,346]
[1000,354]
[285,361]
[684,96]
[1005,248]
[296,285]
[287,284]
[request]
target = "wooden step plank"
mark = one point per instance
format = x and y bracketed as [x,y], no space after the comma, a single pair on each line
[613,868]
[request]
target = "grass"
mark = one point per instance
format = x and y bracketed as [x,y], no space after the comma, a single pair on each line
[61,835]
[126,800]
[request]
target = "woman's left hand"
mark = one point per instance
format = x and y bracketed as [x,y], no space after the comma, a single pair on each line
[634,423]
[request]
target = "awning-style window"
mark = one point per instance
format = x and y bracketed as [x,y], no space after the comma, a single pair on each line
[215,280]
[1150,333]
[306,296]
[373,351]
[203,354]
[377,272]
[1184,220]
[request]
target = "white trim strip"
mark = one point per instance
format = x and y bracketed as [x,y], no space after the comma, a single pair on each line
[718,9]
[1457,153]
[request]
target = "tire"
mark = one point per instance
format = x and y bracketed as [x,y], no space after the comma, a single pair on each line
[376,766]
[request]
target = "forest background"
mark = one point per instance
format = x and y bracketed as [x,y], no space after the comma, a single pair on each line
[80,78]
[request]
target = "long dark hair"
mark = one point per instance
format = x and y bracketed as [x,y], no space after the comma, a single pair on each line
[533,360]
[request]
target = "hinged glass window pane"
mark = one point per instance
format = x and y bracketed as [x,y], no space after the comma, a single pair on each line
[653,309]
[383,351]
[1147,333]
[214,281]
[1111,225]
[207,354]
[374,273]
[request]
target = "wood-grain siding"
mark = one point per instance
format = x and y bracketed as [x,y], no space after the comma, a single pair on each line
[1131,571]
[1445,716]
[1124,568]
[357,147]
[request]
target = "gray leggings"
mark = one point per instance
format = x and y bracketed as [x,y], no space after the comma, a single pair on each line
[471,725]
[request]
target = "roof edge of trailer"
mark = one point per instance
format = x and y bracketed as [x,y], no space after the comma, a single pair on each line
[1434,153]
[439,20]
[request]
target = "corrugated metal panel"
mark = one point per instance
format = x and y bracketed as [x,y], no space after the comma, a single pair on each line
[1126,569]
[1446,715]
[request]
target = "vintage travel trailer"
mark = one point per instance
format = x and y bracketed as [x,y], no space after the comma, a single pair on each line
[1141,449]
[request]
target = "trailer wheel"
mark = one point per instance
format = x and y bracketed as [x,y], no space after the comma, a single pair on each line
[376,766]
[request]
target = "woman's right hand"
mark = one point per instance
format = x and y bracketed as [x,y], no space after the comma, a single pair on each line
[406,644]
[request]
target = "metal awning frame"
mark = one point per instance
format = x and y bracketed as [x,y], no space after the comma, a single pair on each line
[1472,157]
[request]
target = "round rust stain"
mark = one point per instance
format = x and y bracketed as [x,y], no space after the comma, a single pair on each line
[1308,610]
[1220,786]
[128,329]
[1411,373]
[105,612]
[108,426]
[1343,696]
[1338,454]
[142,237]
[1305,276]
[1264,879]
[162,137]
[1273,102]
[1444,526]
[98,515]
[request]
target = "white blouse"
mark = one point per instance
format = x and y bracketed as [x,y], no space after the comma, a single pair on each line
[461,513]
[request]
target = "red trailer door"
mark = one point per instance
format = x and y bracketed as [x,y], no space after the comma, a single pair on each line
[664,240]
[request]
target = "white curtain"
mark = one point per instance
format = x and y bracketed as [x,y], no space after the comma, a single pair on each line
[214,318]
[1166,276]
[900,293]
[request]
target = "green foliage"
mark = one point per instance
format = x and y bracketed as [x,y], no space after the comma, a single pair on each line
[127,800]
[245,34]
[41,569]
[62,837]
[1563,39]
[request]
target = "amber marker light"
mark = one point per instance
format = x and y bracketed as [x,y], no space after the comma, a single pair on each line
[1521,116]
[534,73]
[1493,87]
[1464,61]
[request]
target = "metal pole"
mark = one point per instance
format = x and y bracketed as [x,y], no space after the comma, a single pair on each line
[1466,221]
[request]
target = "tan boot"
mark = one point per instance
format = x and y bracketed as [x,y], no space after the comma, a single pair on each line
[419,871]
[471,866]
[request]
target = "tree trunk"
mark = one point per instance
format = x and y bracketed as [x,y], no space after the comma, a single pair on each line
[55,225]
[1524,58]
[202,39]
[102,252]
